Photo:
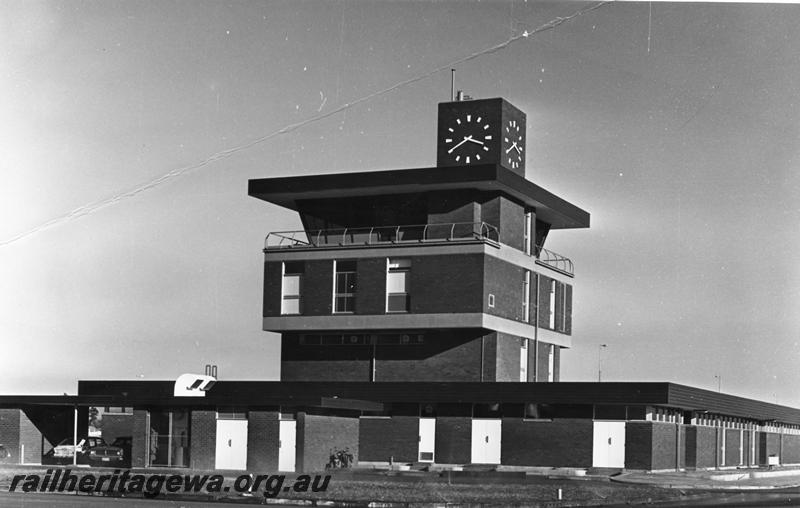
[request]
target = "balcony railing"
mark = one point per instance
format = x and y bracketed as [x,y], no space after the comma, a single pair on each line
[378,235]
[555,261]
[420,233]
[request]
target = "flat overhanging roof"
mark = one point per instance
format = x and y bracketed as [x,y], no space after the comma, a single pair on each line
[287,191]
[368,396]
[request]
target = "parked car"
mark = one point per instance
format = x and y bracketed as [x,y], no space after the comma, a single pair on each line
[124,442]
[90,450]
[5,454]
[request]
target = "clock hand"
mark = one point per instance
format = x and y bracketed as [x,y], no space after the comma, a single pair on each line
[519,150]
[475,140]
[513,145]
[466,138]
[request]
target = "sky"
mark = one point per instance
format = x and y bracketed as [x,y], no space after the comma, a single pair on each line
[129,248]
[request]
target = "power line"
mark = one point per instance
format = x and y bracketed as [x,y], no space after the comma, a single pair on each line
[224,154]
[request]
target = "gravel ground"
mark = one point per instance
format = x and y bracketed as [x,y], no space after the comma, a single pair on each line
[432,488]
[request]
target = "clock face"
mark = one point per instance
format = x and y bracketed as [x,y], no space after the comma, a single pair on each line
[467,139]
[513,134]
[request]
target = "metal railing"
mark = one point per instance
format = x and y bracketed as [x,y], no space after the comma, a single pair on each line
[554,260]
[419,233]
[415,233]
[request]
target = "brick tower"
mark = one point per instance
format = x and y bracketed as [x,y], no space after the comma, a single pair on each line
[425,274]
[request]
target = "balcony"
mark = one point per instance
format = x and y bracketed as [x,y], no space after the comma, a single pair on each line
[452,232]
[383,235]
[555,261]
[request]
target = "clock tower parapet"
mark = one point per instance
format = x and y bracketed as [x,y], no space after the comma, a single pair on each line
[484,131]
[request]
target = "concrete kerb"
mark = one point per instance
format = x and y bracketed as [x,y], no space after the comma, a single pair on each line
[709,480]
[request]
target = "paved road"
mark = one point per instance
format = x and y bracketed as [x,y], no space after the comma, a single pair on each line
[31,500]
[745,499]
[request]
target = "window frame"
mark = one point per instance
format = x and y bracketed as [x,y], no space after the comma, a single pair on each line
[403,267]
[347,295]
[291,297]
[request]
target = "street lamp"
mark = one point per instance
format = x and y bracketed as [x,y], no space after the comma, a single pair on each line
[600,362]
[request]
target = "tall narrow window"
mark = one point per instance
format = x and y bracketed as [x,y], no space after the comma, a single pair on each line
[291,289]
[551,363]
[527,236]
[523,361]
[552,309]
[397,275]
[344,290]
[526,297]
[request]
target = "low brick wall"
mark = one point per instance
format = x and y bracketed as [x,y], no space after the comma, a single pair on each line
[9,433]
[263,434]
[558,443]
[453,441]
[318,436]
[380,439]
[203,439]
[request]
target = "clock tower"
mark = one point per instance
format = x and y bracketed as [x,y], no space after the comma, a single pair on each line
[486,131]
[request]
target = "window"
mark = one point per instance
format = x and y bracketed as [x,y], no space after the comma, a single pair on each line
[527,237]
[231,413]
[122,410]
[526,296]
[557,298]
[169,438]
[344,290]
[397,276]
[291,300]
[561,314]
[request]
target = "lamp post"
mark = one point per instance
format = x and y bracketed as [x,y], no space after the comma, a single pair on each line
[600,362]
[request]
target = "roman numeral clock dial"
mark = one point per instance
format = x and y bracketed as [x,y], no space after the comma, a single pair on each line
[467,139]
[513,139]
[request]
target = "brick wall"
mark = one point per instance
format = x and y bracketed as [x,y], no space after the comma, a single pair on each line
[489,353]
[323,363]
[116,425]
[203,439]
[505,281]
[263,434]
[769,444]
[559,443]
[506,215]
[273,280]
[453,206]
[56,423]
[665,445]
[458,285]
[31,438]
[702,445]
[9,433]
[653,446]
[445,356]
[318,436]
[791,449]
[732,447]
[639,445]
[543,361]
[317,291]
[507,359]
[382,438]
[446,284]
[453,441]
[371,286]
[140,449]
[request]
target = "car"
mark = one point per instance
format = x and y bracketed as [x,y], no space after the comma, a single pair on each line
[5,454]
[90,450]
[124,442]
